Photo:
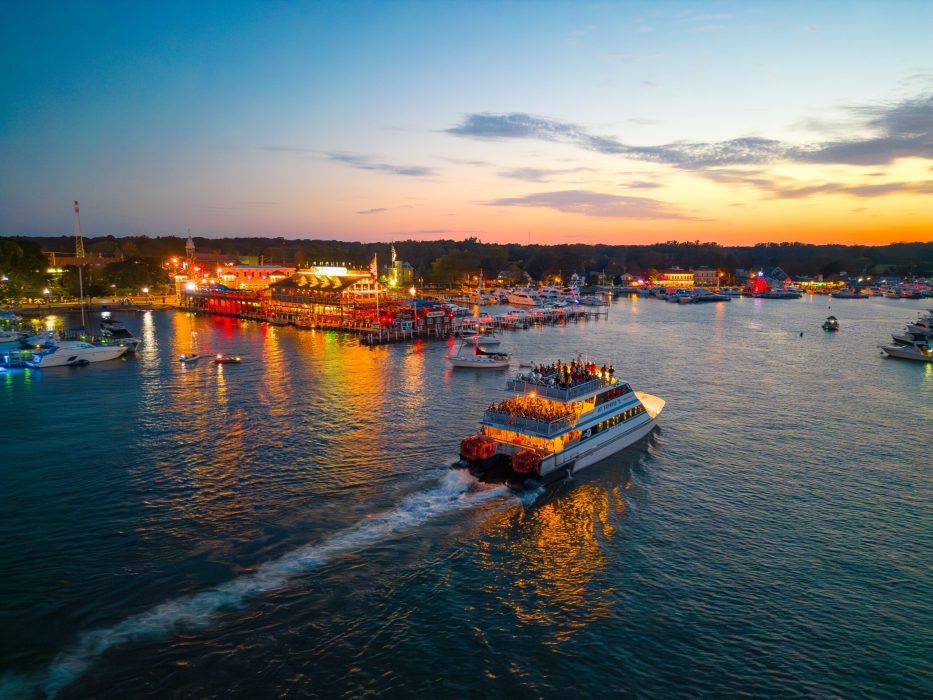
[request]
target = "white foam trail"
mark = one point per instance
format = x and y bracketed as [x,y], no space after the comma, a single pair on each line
[457,490]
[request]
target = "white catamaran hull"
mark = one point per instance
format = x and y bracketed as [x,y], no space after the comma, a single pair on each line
[603,445]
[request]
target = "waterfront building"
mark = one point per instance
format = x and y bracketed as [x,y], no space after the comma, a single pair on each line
[327,292]
[252,276]
[675,277]
[401,274]
[57,260]
[705,277]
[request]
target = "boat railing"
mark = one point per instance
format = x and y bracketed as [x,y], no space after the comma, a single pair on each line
[523,386]
[540,427]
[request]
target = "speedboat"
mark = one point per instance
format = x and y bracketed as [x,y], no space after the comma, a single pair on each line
[702,295]
[73,353]
[831,325]
[560,419]
[479,359]
[226,360]
[919,350]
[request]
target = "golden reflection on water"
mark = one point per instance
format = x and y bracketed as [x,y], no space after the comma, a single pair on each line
[553,557]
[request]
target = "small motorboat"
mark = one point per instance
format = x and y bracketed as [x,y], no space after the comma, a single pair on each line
[194,357]
[227,360]
[831,325]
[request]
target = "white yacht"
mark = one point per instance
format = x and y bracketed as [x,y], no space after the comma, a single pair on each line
[920,350]
[560,420]
[71,353]
[523,297]
[113,332]
[11,336]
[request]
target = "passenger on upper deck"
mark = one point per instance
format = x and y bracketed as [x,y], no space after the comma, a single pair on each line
[568,375]
[538,409]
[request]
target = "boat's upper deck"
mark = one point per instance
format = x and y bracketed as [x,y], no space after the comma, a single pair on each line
[550,387]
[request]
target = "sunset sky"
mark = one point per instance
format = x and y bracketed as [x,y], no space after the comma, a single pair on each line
[732,122]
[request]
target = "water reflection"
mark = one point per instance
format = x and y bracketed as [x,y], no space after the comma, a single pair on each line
[549,563]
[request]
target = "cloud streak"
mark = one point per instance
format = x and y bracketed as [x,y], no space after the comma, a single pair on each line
[897,131]
[540,174]
[361,162]
[589,203]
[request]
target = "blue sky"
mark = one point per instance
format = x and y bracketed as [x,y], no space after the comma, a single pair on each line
[356,120]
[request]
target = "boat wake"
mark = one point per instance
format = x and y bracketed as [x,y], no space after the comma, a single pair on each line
[457,491]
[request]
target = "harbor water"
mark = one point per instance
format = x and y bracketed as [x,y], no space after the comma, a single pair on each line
[290,526]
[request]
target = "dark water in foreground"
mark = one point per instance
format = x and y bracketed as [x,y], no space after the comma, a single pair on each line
[289,527]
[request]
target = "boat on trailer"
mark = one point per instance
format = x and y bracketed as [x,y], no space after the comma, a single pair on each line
[561,418]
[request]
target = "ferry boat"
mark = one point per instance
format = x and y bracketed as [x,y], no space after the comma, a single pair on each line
[831,325]
[561,419]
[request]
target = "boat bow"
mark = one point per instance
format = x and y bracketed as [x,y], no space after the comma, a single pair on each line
[653,404]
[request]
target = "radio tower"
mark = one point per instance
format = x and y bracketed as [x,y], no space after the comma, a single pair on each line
[79,259]
[79,239]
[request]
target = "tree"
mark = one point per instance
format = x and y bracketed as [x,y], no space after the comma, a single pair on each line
[24,266]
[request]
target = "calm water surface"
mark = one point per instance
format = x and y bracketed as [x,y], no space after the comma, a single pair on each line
[289,526]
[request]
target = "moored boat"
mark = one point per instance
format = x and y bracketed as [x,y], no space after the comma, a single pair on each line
[918,350]
[561,419]
[479,358]
[73,353]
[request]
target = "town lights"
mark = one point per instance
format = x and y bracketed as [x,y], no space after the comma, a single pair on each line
[190,286]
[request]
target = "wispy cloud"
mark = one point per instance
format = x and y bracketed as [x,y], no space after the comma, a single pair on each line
[287,149]
[790,188]
[899,130]
[368,163]
[642,185]
[540,174]
[518,125]
[591,203]
[375,210]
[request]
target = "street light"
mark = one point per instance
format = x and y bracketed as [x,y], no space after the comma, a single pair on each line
[414,309]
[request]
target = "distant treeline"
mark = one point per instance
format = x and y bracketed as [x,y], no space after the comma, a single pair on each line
[448,260]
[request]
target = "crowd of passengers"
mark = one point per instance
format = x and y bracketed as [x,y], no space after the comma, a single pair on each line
[566,375]
[538,409]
